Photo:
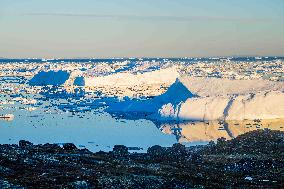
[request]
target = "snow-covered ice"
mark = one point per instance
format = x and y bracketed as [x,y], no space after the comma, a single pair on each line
[159,77]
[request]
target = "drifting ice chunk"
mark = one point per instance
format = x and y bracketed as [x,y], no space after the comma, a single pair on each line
[7,117]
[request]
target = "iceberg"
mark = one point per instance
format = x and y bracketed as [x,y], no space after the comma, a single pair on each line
[178,103]
[251,103]
[51,77]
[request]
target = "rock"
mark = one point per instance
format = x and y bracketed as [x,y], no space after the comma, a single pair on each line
[69,146]
[256,155]
[24,143]
[51,148]
[85,151]
[120,150]
[221,141]
[179,149]
[211,143]
[156,151]
[4,184]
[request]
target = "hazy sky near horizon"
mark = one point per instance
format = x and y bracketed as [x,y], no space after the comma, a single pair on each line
[141,28]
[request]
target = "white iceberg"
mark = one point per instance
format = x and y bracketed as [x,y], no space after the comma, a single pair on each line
[251,103]
[255,100]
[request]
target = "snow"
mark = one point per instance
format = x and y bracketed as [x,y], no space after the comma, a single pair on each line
[162,76]
[203,86]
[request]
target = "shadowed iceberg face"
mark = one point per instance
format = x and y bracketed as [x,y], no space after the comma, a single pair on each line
[176,94]
[79,81]
[49,78]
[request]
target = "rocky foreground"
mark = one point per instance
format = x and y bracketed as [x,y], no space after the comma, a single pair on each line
[252,160]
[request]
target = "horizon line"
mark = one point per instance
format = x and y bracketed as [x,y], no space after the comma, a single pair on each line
[151,57]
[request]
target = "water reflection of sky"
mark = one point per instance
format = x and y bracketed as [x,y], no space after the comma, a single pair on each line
[96,131]
[99,131]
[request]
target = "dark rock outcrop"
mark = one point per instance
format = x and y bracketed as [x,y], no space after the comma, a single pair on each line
[252,160]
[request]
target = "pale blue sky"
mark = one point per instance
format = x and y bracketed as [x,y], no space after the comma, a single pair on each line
[141,28]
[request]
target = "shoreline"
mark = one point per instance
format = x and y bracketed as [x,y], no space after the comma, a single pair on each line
[248,160]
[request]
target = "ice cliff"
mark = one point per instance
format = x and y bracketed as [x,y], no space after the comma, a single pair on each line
[263,105]
[231,100]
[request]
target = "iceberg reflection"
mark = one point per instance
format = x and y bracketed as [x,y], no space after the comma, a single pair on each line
[212,130]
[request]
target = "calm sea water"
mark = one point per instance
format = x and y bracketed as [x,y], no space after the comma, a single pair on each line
[97,130]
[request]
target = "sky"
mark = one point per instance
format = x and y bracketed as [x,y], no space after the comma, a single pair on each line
[141,28]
